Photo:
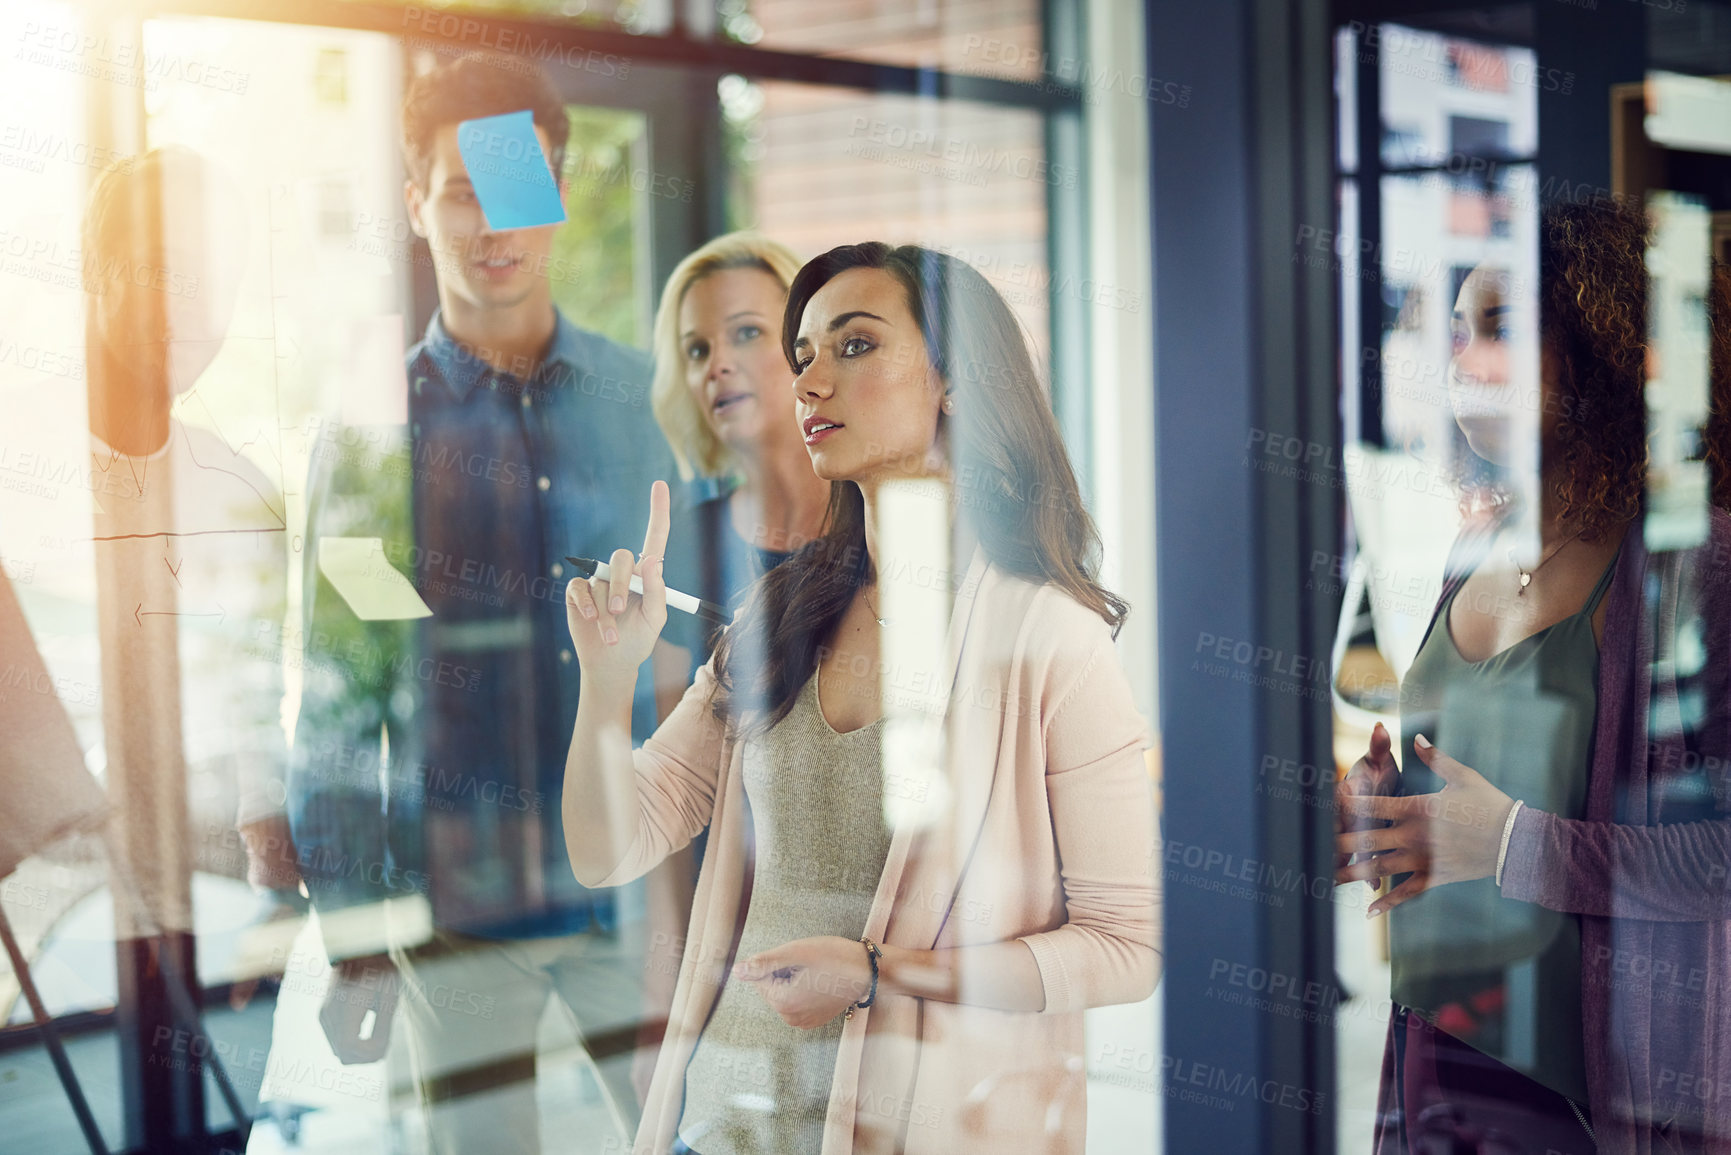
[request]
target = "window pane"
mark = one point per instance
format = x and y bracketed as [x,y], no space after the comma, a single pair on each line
[825,167]
[54,880]
[993,39]
[600,255]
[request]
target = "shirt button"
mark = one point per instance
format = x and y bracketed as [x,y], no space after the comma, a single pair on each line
[526,401]
[565,656]
[558,569]
[543,484]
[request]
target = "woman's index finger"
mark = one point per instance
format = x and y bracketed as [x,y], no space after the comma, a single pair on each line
[655,537]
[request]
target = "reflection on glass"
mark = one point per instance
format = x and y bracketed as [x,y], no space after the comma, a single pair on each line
[1538,372]
[1553,805]
[291,462]
[1678,267]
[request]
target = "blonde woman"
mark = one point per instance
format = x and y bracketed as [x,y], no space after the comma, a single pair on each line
[723,395]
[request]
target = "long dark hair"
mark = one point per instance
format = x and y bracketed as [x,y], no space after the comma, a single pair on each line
[1012,477]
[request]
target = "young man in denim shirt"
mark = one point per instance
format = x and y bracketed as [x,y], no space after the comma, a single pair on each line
[443,885]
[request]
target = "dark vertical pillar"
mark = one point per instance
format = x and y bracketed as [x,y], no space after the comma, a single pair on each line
[685,144]
[1582,52]
[1244,351]
[1367,125]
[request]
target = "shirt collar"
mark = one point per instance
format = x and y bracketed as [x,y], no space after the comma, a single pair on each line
[462,371]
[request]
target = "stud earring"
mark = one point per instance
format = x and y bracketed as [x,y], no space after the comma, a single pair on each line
[949,405]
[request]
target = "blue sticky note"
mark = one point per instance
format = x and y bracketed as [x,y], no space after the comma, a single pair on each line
[510,173]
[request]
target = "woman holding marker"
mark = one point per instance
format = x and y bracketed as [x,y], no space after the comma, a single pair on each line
[1559,828]
[723,397]
[852,982]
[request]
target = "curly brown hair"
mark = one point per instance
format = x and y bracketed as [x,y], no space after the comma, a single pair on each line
[1718,447]
[1593,321]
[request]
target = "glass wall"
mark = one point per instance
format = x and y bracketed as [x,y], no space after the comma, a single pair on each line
[894,805]
[340,341]
[1527,677]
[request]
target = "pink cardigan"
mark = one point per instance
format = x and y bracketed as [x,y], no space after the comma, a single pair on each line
[1047,834]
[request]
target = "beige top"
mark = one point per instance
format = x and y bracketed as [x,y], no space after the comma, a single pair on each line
[756,1084]
[1044,833]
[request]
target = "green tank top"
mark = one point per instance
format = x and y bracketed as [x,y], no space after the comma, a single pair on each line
[1501,975]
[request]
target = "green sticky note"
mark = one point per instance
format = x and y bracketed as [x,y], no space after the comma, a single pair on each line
[374,588]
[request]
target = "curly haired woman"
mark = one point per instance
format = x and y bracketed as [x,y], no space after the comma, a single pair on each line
[1559,828]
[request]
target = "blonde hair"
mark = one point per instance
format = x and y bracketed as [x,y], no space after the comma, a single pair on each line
[696,448]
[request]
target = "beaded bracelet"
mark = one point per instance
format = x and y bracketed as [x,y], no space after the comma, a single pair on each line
[873,954]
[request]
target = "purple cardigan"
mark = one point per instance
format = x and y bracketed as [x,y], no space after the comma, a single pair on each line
[1652,893]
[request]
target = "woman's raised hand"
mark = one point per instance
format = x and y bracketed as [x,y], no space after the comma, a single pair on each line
[614,629]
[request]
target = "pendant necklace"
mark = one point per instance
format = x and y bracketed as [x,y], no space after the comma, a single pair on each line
[1526,575]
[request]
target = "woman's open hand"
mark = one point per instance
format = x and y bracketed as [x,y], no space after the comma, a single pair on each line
[809,981]
[1450,836]
[614,629]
